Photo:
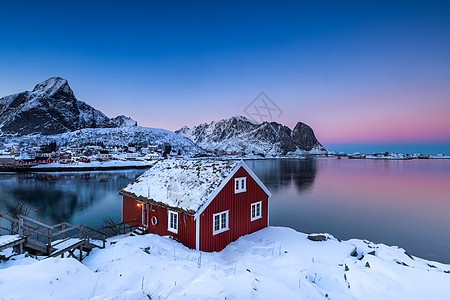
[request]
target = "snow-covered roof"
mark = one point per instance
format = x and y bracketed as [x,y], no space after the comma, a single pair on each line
[183,184]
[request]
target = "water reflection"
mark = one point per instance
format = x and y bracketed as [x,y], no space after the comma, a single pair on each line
[278,173]
[72,197]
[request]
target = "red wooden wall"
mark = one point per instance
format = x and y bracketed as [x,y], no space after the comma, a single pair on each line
[239,207]
[130,211]
[186,223]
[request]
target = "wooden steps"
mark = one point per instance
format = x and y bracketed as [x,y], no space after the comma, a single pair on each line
[141,230]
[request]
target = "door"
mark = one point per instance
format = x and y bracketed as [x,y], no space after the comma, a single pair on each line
[145,215]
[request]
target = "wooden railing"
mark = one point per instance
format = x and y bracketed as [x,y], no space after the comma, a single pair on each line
[120,228]
[40,235]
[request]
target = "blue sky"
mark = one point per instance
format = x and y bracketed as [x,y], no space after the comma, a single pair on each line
[356,72]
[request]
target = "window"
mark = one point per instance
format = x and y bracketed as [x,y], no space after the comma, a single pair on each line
[173,221]
[256,211]
[220,222]
[240,185]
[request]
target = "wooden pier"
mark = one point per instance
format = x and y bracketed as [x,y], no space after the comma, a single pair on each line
[42,239]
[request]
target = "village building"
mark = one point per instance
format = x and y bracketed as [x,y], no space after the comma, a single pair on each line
[205,204]
[104,155]
[7,160]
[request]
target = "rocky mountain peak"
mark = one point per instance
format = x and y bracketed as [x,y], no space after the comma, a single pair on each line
[52,108]
[54,85]
[303,136]
[241,135]
[122,121]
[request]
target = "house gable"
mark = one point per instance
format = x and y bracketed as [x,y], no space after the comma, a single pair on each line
[238,208]
[231,175]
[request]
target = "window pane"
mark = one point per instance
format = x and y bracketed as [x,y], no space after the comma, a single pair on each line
[243,184]
[175,221]
[258,209]
[224,221]
[237,185]
[253,210]
[216,222]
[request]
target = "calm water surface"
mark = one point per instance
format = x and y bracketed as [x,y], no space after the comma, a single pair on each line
[404,203]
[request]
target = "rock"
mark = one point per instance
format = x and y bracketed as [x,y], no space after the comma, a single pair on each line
[367,265]
[371,252]
[303,137]
[317,237]
[409,255]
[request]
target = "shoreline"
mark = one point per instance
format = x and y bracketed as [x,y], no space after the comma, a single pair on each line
[74,169]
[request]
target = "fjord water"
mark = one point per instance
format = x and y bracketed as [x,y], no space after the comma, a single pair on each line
[403,203]
[395,202]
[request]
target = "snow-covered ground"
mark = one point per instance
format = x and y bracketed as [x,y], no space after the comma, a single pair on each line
[273,263]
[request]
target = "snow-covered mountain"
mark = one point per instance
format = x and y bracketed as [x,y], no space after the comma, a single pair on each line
[51,108]
[110,137]
[241,135]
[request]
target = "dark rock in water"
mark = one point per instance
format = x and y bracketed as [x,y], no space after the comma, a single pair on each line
[371,252]
[354,253]
[50,108]
[317,237]
[367,265]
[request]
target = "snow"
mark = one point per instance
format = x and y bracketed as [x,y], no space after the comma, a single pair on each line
[6,239]
[181,183]
[50,86]
[273,263]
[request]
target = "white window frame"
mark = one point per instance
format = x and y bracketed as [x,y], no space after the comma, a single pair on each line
[171,229]
[256,217]
[240,185]
[220,215]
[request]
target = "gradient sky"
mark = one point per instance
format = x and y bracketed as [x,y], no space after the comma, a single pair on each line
[356,72]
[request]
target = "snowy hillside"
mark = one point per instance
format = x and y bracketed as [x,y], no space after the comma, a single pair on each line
[110,137]
[273,263]
[50,108]
[240,135]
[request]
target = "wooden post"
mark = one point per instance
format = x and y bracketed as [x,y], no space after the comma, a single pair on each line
[81,252]
[20,226]
[49,240]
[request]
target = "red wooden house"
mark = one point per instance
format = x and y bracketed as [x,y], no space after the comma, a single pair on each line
[204,204]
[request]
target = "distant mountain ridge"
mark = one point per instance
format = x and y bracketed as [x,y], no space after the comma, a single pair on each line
[52,108]
[241,135]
